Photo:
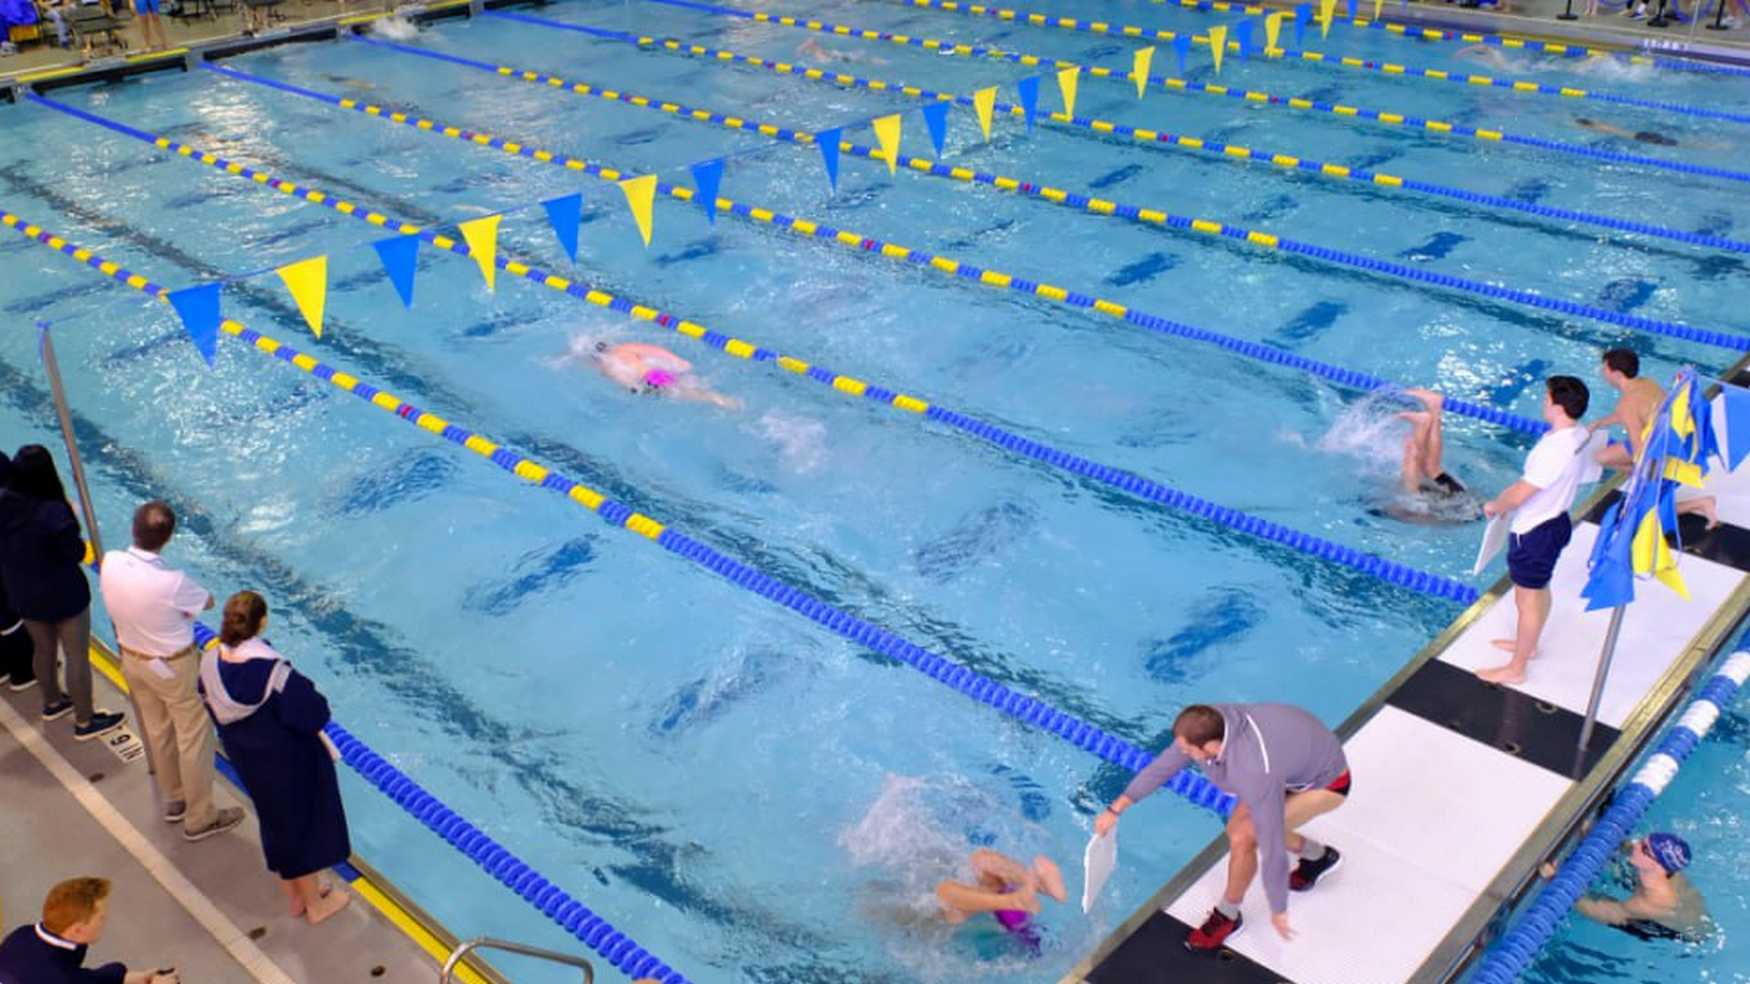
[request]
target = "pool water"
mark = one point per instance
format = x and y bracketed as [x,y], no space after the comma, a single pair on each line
[749,797]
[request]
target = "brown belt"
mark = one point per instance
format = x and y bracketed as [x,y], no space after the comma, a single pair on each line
[188,650]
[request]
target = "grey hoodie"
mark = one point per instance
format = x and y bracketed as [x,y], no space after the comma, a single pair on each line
[1269,750]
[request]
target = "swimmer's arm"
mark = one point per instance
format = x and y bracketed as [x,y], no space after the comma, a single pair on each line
[1610,912]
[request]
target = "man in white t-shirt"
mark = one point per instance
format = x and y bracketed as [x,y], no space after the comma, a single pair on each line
[154,607]
[1540,528]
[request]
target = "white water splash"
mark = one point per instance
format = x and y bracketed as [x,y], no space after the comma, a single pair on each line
[395,28]
[801,441]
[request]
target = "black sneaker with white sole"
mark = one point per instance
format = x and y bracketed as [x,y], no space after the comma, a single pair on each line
[101,723]
[58,710]
[1306,874]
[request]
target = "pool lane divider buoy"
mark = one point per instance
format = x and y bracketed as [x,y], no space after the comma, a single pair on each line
[1234,153]
[917,258]
[1389,571]
[1284,53]
[1173,84]
[1097,207]
[1029,710]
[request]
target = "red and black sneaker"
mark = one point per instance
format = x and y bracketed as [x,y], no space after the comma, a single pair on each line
[1306,874]
[1215,931]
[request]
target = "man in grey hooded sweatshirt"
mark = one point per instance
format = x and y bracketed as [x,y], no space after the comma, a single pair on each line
[1285,767]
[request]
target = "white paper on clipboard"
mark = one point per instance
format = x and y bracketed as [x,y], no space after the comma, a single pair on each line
[1494,538]
[1098,863]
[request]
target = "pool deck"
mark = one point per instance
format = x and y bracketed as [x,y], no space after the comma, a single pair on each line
[209,909]
[1462,788]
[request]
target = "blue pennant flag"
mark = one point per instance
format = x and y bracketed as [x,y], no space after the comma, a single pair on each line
[1243,35]
[1737,426]
[936,118]
[828,141]
[199,309]
[1029,90]
[400,255]
[1303,13]
[1351,9]
[1181,48]
[707,178]
[566,214]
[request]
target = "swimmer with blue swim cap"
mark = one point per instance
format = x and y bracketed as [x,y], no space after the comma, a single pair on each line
[655,371]
[1664,906]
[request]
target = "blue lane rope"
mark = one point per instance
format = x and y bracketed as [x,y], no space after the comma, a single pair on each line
[1513,953]
[477,846]
[934,46]
[1234,153]
[1390,571]
[1254,350]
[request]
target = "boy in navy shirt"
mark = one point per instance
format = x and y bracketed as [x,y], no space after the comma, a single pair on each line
[53,951]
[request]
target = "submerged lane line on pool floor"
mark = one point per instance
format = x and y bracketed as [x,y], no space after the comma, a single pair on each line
[1390,69]
[917,258]
[1172,84]
[1391,572]
[1085,204]
[1028,710]
[1148,138]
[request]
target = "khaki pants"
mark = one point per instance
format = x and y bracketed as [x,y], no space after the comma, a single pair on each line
[177,731]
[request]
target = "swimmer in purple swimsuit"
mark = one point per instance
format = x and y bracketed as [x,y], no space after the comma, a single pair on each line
[654,370]
[1006,889]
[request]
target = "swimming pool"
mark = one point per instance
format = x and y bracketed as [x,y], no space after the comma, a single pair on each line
[750,797]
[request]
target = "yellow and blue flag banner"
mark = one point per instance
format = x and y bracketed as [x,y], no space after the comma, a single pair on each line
[400,256]
[1218,44]
[1327,10]
[1182,50]
[1303,15]
[641,198]
[1272,31]
[936,121]
[1028,89]
[481,235]
[1243,37]
[307,281]
[887,134]
[565,214]
[198,307]
[1066,86]
[1139,66]
[828,142]
[707,178]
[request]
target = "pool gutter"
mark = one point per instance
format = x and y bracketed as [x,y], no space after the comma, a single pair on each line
[1487,915]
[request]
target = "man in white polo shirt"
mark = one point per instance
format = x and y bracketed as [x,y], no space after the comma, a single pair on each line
[154,608]
[1539,502]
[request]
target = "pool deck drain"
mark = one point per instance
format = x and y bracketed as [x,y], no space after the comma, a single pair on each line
[1462,788]
[209,909]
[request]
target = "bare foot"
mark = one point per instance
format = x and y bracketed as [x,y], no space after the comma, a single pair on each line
[331,902]
[1502,674]
[296,901]
[1050,879]
[1428,397]
[1505,645]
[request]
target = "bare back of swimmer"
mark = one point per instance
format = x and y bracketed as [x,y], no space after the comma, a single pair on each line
[654,370]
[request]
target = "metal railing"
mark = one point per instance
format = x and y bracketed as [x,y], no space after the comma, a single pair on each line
[524,949]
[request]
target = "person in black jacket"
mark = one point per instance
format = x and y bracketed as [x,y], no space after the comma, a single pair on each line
[41,550]
[16,667]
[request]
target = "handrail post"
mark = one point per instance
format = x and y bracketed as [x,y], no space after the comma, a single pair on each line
[1604,658]
[522,949]
[66,418]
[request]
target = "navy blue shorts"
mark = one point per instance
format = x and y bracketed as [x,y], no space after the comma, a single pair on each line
[1531,557]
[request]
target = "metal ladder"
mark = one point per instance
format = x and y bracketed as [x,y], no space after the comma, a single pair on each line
[488,942]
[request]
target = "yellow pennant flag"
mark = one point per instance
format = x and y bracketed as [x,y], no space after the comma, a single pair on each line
[1218,42]
[482,237]
[984,101]
[887,132]
[308,282]
[1650,554]
[1066,84]
[1272,31]
[1378,5]
[1139,66]
[1327,9]
[1682,421]
[640,195]
[1683,472]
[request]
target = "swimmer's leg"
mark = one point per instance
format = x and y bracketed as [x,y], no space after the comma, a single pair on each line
[960,901]
[999,867]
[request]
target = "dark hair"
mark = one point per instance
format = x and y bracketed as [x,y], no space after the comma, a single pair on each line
[1623,361]
[1200,724]
[154,523]
[601,346]
[1570,394]
[34,475]
[243,614]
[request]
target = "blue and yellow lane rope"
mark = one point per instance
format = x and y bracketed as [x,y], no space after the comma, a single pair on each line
[1419,32]
[1076,201]
[1027,709]
[895,252]
[1172,498]
[1172,84]
[1386,68]
[1234,153]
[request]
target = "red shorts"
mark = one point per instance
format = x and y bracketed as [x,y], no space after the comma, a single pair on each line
[1340,785]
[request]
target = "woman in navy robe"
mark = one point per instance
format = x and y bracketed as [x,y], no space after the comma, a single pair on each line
[270,718]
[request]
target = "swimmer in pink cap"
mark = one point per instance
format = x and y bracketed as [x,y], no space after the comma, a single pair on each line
[654,370]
